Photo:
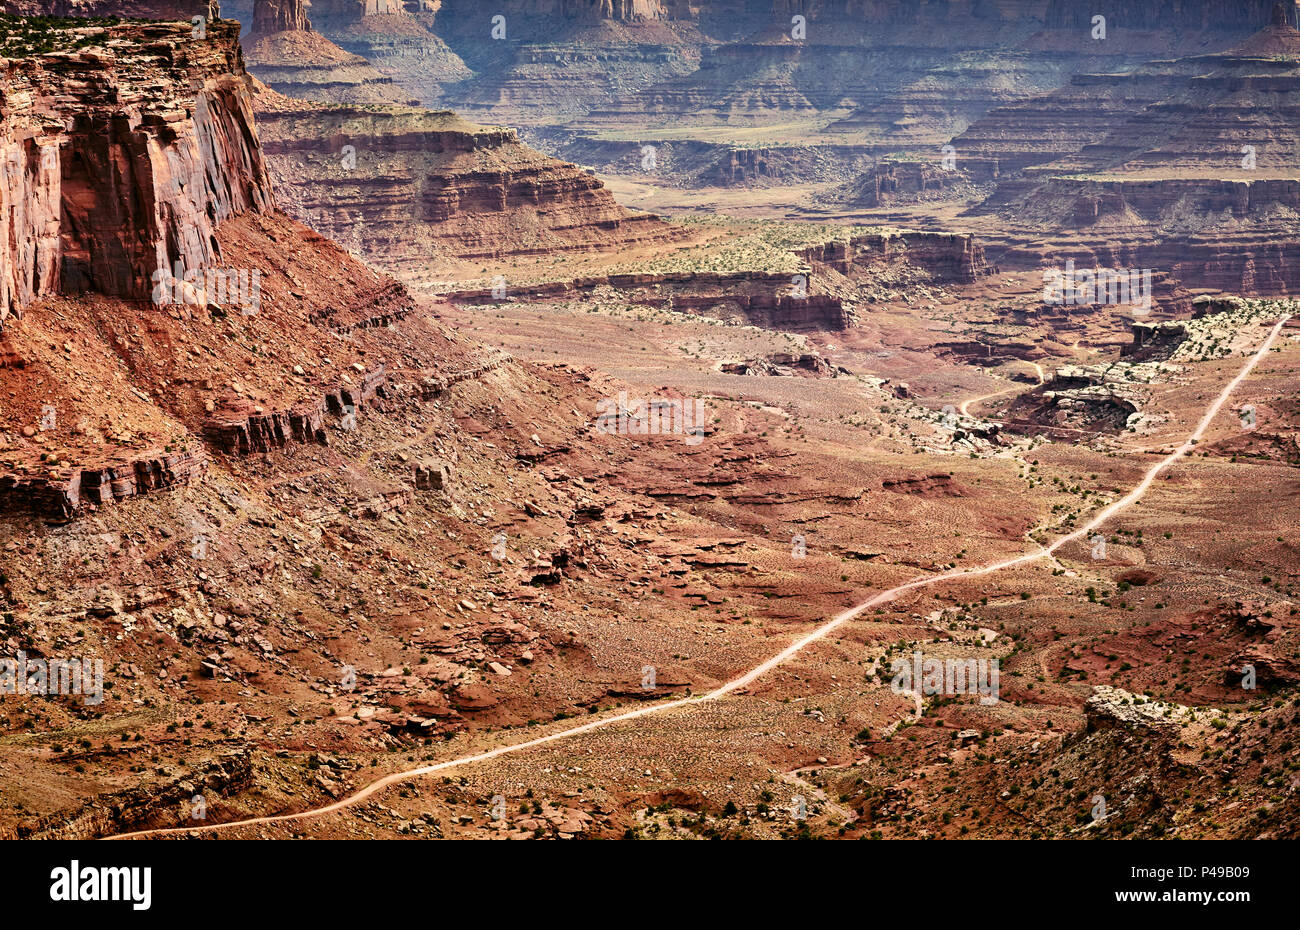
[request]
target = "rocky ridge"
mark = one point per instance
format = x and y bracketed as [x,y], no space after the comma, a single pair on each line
[408,186]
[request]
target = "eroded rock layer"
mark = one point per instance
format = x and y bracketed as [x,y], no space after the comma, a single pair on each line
[406,184]
[119,161]
[283,50]
[889,71]
[1187,167]
[320,57]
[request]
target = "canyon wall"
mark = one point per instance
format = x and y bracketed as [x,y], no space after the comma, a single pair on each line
[117,163]
[349,51]
[1054,14]
[889,74]
[1161,14]
[1185,166]
[411,186]
[580,11]
[285,52]
[894,73]
[279,15]
[946,256]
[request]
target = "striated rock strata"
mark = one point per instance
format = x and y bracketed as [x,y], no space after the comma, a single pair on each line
[288,55]
[121,160]
[1185,167]
[405,185]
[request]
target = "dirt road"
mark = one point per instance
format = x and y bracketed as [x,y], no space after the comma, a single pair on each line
[781,657]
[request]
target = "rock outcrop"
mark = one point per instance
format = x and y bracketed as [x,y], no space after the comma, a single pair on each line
[279,16]
[752,297]
[350,51]
[409,186]
[61,494]
[575,11]
[945,256]
[1114,708]
[886,71]
[288,55]
[121,159]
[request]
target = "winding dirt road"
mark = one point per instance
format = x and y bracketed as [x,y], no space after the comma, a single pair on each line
[964,409]
[781,657]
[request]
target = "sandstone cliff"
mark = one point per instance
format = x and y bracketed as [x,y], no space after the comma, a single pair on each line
[407,187]
[119,160]
[883,72]
[351,51]
[577,10]
[279,15]
[285,52]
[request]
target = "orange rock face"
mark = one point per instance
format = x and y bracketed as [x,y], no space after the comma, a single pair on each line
[279,16]
[117,165]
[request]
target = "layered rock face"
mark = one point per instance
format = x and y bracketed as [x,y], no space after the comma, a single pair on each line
[1187,166]
[1132,14]
[118,162]
[1054,14]
[583,11]
[557,54]
[352,51]
[401,184]
[414,186]
[830,275]
[945,256]
[126,163]
[301,63]
[890,71]
[278,16]
[284,51]
[753,297]
[887,69]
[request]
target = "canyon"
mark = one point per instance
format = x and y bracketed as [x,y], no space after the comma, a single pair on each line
[345,352]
